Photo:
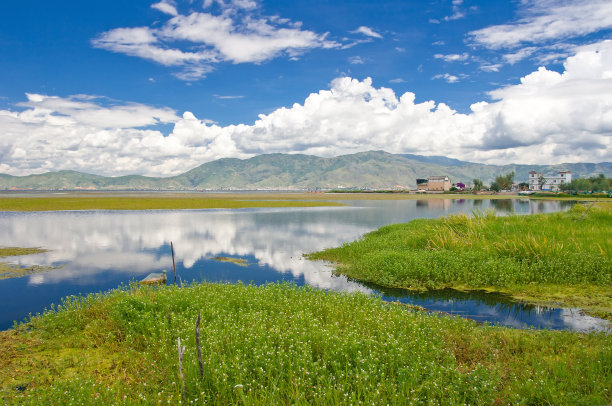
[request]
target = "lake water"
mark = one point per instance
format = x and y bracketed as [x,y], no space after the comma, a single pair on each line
[99,250]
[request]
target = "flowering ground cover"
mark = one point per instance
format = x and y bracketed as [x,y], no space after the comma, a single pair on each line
[282,344]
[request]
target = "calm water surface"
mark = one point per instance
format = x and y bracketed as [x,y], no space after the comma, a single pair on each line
[99,250]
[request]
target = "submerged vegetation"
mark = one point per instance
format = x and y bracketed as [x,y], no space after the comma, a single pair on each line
[235,261]
[281,344]
[8,270]
[562,258]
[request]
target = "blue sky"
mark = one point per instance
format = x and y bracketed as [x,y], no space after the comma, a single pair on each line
[158,87]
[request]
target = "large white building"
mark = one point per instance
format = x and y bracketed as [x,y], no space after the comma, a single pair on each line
[552,183]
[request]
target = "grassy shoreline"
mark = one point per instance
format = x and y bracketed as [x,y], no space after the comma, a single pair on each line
[553,259]
[17,251]
[282,344]
[177,201]
[111,202]
[8,270]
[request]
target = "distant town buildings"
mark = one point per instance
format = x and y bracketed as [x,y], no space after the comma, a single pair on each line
[552,183]
[434,184]
[438,183]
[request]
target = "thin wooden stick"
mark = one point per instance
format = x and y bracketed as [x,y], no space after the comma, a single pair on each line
[199,347]
[173,263]
[181,352]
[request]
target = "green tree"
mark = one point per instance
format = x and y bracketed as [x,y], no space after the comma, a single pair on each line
[477,185]
[541,181]
[503,182]
[566,186]
[595,184]
[600,183]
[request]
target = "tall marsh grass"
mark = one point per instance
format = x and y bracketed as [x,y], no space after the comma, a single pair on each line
[484,250]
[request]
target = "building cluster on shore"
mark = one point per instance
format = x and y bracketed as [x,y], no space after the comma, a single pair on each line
[539,182]
[536,182]
[434,184]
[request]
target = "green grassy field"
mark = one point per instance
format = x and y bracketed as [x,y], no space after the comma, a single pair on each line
[176,201]
[8,270]
[280,344]
[148,202]
[560,258]
[16,251]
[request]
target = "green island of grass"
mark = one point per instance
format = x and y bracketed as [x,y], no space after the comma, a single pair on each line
[561,259]
[235,261]
[148,201]
[16,251]
[282,344]
[8,270]
[46,201]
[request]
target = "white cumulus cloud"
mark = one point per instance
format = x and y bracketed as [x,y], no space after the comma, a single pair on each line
[546,31]
[198,40]
[166,6]
[458,13]
[367,31]
[548,117]
[447,77]
[452,57]
[545,20]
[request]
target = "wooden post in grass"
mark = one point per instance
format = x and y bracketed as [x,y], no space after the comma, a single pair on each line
[199,347]
[585,212]
[181,352]
[173,263]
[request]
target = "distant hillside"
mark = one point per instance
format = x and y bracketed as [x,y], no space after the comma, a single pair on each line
[373,170]
[439,160]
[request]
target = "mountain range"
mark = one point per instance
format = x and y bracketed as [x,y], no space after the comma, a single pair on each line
[364,170]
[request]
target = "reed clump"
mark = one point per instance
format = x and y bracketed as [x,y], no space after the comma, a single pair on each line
[513,253]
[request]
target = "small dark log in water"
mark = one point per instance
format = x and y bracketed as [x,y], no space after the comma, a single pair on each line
[199,347]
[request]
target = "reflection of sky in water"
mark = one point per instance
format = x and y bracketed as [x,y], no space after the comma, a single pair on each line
[98,250]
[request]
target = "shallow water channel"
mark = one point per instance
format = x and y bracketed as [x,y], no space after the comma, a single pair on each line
[99,250]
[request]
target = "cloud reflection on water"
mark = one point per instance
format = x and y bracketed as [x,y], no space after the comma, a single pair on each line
[85,244]
[92,246]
